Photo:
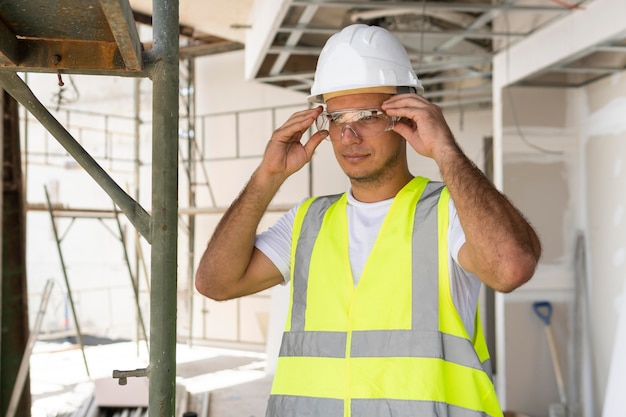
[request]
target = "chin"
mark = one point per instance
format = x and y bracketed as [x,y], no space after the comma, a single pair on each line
[364,177]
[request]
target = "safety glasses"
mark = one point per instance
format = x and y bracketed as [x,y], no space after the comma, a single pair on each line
[364,123]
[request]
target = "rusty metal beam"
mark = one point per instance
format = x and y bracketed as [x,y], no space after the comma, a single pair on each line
[69,54]
[8,45]
[122,23]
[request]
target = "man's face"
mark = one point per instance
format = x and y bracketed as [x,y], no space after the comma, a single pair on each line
[371,160]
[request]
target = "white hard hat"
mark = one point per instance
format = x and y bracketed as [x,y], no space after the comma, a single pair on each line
[363,58]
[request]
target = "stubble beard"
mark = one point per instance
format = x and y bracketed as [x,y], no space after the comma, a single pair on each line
[379,175]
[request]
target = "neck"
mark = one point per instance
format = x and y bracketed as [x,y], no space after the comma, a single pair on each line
[373,191]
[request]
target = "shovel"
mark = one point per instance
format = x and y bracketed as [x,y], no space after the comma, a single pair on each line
[543,309]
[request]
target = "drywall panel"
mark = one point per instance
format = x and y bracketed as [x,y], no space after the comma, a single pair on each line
[220,87]
[243,320]
[531,106]
[541,191]
[605,158]
[604,150]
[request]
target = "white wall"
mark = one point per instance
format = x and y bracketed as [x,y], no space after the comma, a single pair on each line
[237,123]
[604,156]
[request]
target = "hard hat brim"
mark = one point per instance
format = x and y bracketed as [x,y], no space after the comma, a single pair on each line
[387,89]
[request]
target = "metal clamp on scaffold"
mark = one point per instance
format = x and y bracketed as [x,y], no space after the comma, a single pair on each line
[123,375]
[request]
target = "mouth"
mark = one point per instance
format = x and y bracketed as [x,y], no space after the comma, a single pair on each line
[355,157]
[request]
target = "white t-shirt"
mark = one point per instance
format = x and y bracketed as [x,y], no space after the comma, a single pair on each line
[364,222]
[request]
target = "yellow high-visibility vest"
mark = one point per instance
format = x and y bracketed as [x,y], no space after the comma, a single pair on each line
[394,345]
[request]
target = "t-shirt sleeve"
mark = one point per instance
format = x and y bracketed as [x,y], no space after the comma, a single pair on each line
[456,235]
[275,242]
[464,285]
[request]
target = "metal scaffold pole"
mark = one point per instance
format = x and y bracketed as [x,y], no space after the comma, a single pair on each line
[119,52]
[164,227]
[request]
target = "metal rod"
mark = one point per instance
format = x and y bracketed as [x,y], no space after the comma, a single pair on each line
[134,282]
[79,335]
[137,177]
[164,227]
[191,164]
[24,364]
[2,104]
[17,88]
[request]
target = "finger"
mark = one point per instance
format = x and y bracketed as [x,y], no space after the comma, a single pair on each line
[314,142]
[301,121]
[404,98]
[405,106]
[293,130]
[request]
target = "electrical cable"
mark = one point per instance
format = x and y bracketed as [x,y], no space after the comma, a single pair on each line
[512,102]
[568,5]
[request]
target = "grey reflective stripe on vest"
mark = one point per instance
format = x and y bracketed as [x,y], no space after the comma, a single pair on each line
[486,364]
[413,344]
[426,259]
[375,407]
[381,344]
[296,406]
[310,229]
[320,344]
[292,406]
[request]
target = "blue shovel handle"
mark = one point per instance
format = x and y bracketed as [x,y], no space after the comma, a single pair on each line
[543,309]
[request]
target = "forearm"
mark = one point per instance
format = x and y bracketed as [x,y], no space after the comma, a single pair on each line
[501,248]
[229,251]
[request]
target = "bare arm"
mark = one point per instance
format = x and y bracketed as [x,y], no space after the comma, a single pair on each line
[501,247]
[231,266]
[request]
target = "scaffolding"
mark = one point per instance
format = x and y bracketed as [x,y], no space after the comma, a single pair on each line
[99,37]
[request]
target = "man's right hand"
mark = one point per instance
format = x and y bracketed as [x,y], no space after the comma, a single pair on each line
[285,153]
[231,266]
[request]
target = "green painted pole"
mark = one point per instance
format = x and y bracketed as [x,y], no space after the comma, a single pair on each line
[164,227]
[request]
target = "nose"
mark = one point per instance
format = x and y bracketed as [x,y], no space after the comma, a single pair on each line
[348,134]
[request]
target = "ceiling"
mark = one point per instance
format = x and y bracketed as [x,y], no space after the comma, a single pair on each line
[450,42]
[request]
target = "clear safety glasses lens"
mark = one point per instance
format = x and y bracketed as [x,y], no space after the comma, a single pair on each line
[364,123]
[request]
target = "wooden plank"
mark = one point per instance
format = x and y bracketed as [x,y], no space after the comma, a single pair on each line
[204,49]
[122,23]
[8,46]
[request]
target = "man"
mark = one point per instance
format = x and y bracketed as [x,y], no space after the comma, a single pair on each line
[385,278]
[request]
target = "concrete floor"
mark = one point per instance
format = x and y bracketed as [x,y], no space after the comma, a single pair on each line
[234,380]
